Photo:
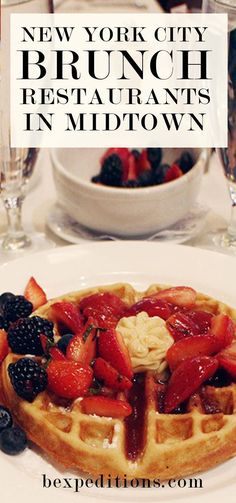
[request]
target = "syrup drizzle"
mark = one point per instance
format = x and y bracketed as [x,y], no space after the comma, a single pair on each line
[135,423]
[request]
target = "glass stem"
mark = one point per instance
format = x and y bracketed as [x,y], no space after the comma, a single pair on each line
[232,224]
[15,238]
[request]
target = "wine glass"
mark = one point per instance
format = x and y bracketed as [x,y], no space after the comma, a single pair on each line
[227,239]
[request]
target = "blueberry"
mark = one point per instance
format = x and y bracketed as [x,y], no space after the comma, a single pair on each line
[185,162]
[160,173]
[96,179]
[135,153]
[145,179]
[154,156]
[4,298]
[5,418]
[13,440]
[64,341]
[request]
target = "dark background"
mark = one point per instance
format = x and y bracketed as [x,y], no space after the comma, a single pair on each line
[168,4]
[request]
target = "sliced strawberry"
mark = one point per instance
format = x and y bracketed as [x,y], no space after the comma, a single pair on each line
[108,407]
[112,348]
[56,353]
[45,342]
[182,296]
[173,172]
[227,359]
[143,163]
[67,314]
[180,325]
[111,377]
[152,306]
[130,169]
[68,379]
[82,347]
[35,294]
[104,308]
[202,319]
[50,349]
[223,328]
[187,378]
[4,348]
[197,345]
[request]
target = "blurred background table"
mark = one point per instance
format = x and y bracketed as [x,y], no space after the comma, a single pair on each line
[107,5]
[42,195]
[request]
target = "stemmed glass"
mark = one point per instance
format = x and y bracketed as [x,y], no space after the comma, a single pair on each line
[227,239]
[16,168]
[16,164]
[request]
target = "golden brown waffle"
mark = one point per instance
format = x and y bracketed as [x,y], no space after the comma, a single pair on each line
[168,446]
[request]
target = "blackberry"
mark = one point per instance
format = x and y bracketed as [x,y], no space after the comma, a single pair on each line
[13,440]
[131,184]
[135,153]
[64,341]
[17,307]
[3,323]
[5,297]
[154,156]
[185,162]
[23,335]
[5,418]
[96,179]
[28,378]
[145,179]
[220,379]
[111,173]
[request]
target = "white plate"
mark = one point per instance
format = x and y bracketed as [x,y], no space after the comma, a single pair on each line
[75,267]
[63,226]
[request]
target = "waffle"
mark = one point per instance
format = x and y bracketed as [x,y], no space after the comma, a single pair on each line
[157,445]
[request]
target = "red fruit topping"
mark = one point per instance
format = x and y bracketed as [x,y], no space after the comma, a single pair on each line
[143,164]
[152,306]
[67,314]
[104,308]
[182,296]
[82,347]
[45,342]
[35,294]
[180,325]
[202,319]
[50,349]
[112,348]
[68,379]
[108,407]
[111,377]
[130,169]
[223,328]
[173,172]
[187,378]
[4,348]
[56,353]
[227,359]
[197,345]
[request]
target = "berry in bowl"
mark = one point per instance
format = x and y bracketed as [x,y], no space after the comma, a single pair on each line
[131,204]
[132,169]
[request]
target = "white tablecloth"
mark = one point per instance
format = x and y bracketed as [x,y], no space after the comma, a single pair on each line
[42,194]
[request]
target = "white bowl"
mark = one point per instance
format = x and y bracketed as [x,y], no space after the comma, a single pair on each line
[122,211]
